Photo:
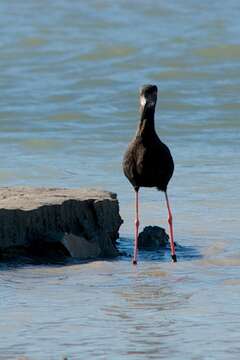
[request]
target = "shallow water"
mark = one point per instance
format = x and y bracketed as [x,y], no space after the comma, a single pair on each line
[69,76]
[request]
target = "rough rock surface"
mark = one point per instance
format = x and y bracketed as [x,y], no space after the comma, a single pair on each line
[83,222]
[152,238]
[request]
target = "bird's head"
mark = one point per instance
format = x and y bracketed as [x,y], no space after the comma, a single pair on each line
[148,96]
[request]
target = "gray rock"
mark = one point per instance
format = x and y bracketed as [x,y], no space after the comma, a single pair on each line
[82,223]
[152,238]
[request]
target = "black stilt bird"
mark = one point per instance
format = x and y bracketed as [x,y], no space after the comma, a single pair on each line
[148,161]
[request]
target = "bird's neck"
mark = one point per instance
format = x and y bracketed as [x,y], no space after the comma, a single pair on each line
[146,125]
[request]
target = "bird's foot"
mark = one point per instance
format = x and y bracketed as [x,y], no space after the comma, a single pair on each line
[174,258]
[134,262]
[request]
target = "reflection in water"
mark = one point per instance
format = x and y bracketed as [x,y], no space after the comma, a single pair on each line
[185,253]
[140,310]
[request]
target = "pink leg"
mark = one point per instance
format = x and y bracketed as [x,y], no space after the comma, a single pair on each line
[136,231]
[174,257]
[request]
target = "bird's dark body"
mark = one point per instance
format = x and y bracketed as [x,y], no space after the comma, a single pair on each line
[148,161]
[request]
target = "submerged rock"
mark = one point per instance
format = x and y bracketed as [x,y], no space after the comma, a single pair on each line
[152,238]
[74,222]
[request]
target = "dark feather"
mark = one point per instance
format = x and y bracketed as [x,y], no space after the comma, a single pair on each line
[148,161]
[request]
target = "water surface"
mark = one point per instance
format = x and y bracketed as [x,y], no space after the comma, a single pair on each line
[69,77]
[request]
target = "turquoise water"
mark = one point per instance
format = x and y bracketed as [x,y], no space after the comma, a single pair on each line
[69,78]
